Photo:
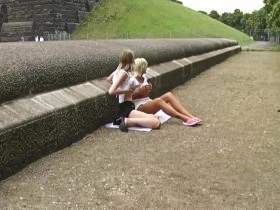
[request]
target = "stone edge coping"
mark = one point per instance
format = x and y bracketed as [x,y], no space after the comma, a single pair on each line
[56,115]
[25,110]
[54,65]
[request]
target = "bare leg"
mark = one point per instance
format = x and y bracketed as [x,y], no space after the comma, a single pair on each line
[142,122]
[175,103]
[139,114]
[151,107]
[137,118]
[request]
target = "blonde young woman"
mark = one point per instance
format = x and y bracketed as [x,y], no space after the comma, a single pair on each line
[167,102]
[123,86]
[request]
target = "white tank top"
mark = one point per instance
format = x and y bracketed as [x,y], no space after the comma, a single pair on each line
[141,101]
[130,82]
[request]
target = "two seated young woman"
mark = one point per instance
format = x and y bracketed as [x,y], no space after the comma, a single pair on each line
[131,86]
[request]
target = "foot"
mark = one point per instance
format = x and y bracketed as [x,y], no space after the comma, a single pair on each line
[191,122]
[197,119]
[123,126]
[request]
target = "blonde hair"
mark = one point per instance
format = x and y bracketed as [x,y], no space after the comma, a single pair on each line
[140,66]
[126,58]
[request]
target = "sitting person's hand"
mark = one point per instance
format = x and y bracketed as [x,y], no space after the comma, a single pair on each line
[148,87]
[132,89]
[142,91]
[130,92]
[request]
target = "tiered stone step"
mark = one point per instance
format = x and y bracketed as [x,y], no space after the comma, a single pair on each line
[43,17]
[82,15]
[70,27]
[93,3]
[14,31]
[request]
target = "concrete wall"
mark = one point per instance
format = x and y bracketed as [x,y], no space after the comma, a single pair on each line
[52,65]
[47,16]
[70,98]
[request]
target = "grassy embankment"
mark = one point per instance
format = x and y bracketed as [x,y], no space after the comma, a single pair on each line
[152,19]
[276,47]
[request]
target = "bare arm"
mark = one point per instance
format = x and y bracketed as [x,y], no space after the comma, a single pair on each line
[110,77]
[114,89]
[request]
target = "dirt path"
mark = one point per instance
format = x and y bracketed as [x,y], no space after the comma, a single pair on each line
[231,162]
[259,45]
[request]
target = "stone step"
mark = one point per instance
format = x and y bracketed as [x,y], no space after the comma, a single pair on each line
[15,31]
[70,26]
[15,38]
[92,3]
[17,27]
[82,15]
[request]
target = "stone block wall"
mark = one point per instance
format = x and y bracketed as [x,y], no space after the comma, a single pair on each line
[52,65]
[3,15]
[47,16]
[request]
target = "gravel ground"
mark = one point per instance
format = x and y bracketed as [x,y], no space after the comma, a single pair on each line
[230,162]
[259,45]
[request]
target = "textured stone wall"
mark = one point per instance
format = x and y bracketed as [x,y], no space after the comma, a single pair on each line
[1,21]
[48,15]
[52,65]
[3,14]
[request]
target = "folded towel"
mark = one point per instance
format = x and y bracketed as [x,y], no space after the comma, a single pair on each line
[163,117]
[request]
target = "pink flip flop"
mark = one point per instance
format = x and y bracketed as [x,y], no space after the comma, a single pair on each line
[197,119]
[192,122]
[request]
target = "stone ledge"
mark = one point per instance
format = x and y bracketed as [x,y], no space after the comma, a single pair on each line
[43,123]
[53,65]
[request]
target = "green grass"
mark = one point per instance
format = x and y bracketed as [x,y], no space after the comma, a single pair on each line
[151,19]
[276,48]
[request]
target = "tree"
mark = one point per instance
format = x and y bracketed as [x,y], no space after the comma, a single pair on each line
[258,20]
[274,17]
[214,14]
[269,5]
[245,23]
[237,17]
[227,18]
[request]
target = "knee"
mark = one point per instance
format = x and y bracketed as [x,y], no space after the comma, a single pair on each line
[159,101]
[151,116]
[168,95]
[156,123]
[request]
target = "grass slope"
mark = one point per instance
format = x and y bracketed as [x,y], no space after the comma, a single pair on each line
[276,48]
[151,19]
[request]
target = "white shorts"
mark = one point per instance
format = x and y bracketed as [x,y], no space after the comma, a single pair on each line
[141,101]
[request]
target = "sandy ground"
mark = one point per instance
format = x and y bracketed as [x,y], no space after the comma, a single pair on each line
[232,161]
[259,45]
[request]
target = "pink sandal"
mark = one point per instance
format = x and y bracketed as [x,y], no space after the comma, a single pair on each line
[192,122]
[197,119]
